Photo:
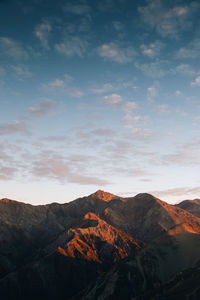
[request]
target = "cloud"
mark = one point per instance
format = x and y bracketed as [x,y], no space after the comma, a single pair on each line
[79,9]
[156,69]
[57,168]
[187,154]
[42,32]
[130,119]
[13,128]
[142,132]
[180,191]
[72,46]
[9,165]
[192,50]
[151,93]
[195,82]
[118,26]
[63,85]
[162,108]
[129,106]
[115,53]
[136,172]
[112,99]
[44,108]
[185,69]
[104,89]
[57,83]
[21,72]
[178,93]
[7,173]
[153,49]
[168,20]
[104,132]
[13,48]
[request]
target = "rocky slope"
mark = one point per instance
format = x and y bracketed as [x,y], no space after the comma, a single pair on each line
[192,206]
[98,247]
[97,241]
[146,217]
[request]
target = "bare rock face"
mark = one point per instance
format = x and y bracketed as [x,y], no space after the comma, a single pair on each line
[98,247]
[99,242]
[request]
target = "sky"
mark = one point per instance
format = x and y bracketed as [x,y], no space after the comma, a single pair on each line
[99,95]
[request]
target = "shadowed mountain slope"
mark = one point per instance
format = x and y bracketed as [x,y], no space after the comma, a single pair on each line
[192,206]
[146,217]
[151,271]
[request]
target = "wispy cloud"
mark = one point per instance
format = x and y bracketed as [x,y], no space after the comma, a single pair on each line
[72,46]
[7,173]
[43,108]
[142,133]
[13,128]
[56,167]
[21,72]
[103,89]
[187,154]
[103,132]
[168,21]
[118,26]
[156,69]
[63,85]
[179,191]
[112,99]
[185,69]
[13,48]
[152,49]
[79,9]
[129,106]
[42,32]
[151,93]
[178,93]
[163,108]
[130,118]
[116,53]
[196,81]
[192,50]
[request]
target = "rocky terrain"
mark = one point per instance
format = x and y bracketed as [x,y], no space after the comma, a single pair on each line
[100,247]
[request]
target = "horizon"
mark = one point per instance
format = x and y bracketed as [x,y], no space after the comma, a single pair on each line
[99,95]
[83,196]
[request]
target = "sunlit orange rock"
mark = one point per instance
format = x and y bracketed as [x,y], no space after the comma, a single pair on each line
[96,242]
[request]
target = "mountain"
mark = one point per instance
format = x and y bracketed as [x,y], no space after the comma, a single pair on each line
[99,247]
[146,217]
[192,206]
[25,228]
[97,241]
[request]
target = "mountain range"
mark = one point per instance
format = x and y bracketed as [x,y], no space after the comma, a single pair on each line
[100,247]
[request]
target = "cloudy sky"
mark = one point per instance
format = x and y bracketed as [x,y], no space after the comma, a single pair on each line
[99,95]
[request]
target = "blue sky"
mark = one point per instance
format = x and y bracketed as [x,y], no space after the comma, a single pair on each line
[99,95]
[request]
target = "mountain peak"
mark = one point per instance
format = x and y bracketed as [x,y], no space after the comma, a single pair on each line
[6,200]
[103,196]
[146,196]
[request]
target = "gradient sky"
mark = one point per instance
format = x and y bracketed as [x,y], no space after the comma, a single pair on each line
[99,95]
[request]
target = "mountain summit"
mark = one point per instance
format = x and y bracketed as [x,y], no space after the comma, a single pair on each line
[105,196]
